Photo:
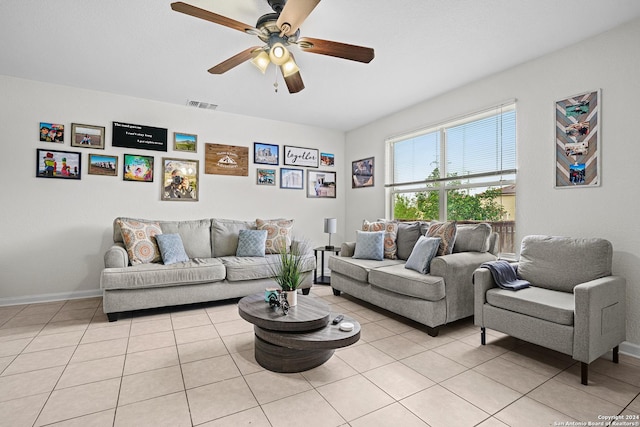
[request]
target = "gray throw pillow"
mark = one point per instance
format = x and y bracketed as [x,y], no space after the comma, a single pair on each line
[408,235]
[251,243]
[423,252]
[171,248]
[369,245]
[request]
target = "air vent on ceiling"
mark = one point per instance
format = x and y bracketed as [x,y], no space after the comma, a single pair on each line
[203,105]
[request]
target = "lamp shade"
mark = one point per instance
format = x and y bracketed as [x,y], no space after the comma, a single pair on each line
[330,225]
[278,54]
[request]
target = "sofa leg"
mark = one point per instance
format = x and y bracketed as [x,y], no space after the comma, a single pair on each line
[584,373]
[616,357]
[306,291]
[112,317]
[433,332]
[483,335]
[336,292]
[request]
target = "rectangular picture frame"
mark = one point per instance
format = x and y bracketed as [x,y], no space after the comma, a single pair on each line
[87,136]
[180,181]
[577,140]
[327,160]
[265,176]
[58,164]
[103,164]
[137,168]
[301,157]
[266,154]
[52,132]
[292,179]
[321,184]
[362,173]
[185,142]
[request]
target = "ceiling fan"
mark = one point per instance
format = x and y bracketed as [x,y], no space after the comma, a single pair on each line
[278,30]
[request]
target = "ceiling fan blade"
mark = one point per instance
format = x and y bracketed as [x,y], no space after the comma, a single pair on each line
[234,61]
[294,82]
[337,49]
[212,17]
[294,14]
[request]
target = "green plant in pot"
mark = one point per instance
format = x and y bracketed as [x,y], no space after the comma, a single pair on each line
[287,270]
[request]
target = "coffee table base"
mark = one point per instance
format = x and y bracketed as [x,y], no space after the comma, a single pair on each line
[288,360]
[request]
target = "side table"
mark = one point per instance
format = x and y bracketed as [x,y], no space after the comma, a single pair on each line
[323,280]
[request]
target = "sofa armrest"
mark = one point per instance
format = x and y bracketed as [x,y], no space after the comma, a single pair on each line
[347,249]
[600,317]
[482,282]
[116,256]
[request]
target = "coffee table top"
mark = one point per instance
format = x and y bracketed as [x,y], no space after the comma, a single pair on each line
[308,314]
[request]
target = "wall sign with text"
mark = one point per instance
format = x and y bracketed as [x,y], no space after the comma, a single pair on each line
[138,136]
[298,156]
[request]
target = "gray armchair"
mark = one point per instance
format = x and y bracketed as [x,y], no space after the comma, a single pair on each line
[574,305]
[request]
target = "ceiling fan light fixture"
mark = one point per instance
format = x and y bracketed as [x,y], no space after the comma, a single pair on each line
[261,60]
[290,67]
[279,54]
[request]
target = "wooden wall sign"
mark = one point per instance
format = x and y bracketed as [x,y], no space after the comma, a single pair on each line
[226,160]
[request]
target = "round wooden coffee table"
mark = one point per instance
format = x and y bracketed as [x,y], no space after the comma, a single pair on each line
[301,340]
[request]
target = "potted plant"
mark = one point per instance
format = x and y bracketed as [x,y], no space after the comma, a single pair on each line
[287,270]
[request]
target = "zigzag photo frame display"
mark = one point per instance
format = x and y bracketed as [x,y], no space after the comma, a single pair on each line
[577,140]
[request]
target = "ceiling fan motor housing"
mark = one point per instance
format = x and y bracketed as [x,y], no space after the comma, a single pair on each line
[277,5]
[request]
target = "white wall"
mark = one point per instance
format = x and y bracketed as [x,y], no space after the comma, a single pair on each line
[55,232]
[611,62]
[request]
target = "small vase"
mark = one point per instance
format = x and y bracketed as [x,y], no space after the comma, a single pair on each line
[292,297]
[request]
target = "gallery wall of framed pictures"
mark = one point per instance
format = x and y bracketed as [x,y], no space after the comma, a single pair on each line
[179,177]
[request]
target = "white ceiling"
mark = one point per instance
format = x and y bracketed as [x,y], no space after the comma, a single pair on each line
[423,48]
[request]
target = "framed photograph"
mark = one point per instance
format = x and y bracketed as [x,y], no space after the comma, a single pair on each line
[266,177]
[266,154]
[87,136]
[51,132]
[298,156]
[577,140]
[185,142]
[100,164]
[326,159]
[292,178]
[180,180]
[321,184]
[222,159]
[137,168]
[58,164]
[362,173]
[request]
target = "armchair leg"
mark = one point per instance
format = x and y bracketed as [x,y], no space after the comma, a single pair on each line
[483,335]
[616,357]
[584,373]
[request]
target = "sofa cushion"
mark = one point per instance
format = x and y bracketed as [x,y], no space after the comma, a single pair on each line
[224,235]
[390,229]
[171,248]
[472,238]
[396,278]
[139,240]
[278,231]
[250,268]
[198,270]
[369,245]
[545,304]
[447,232]
[358,269]
[251,243]
[561,263]
[422,254]
[408,235]
[195,235]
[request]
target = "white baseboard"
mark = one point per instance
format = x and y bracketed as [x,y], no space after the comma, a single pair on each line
[630,349]
[35,299]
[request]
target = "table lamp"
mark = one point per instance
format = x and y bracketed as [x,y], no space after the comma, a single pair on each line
[330,227]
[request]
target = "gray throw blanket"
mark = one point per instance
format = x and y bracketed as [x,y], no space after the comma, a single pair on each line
[505,275]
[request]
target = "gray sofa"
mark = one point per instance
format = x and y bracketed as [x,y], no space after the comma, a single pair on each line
[213,271]
[574,304]
[443,295]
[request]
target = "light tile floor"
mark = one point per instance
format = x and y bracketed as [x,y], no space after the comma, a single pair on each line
[64,364]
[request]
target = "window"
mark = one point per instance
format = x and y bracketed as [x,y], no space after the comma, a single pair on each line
[462,170]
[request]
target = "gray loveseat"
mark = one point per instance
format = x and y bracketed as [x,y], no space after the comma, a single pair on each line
[213,271]
[443,295]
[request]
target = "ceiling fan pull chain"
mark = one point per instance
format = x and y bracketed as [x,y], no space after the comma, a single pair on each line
[275,83]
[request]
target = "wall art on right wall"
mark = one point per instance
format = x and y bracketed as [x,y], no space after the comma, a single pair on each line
[362,173]
[577,140]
